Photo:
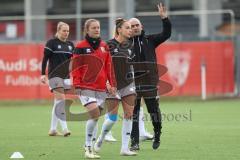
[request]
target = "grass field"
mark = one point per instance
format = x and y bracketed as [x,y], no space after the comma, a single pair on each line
[191,130]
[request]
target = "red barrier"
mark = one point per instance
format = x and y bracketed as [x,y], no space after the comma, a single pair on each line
[20,67]
[183,61]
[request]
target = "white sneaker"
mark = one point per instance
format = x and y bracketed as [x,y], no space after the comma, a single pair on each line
[97,145]
[89,153]
[109,137]
[127,153]
[54,133]
[146,136]
[66,133]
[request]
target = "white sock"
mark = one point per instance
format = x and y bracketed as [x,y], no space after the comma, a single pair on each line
[106,117]
[126,131]
[95,133]
[109,134]
[90,125]
[142,130]
[60,113]
[63,125]
[54,119]
[106,127]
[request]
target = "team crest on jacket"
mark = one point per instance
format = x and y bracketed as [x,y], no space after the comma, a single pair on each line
[178,64]
[70,48]
[129,52]
[115,50]
[103,49]
[59,46]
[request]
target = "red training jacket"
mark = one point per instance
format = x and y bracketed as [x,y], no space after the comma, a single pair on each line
[92,68]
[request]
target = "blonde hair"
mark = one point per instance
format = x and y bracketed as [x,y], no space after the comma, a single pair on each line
[59,26]
[87,25]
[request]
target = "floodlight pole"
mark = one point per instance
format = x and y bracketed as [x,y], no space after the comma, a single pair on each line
[112,17]
[78,19]
[27,18]
[203,19]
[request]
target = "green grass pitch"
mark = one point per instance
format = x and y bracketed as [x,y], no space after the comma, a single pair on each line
[192,129]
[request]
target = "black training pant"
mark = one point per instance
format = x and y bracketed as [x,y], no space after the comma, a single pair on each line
[155,114]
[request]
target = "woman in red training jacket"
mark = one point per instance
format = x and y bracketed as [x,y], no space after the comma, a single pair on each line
[93,75]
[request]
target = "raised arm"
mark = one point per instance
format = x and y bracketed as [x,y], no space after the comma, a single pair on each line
[167,27]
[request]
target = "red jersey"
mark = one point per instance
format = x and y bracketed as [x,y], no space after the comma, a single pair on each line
[91,69]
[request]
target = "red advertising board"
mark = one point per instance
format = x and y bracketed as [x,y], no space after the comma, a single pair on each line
[184,61]
[20,66]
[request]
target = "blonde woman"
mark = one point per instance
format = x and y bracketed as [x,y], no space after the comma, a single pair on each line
[57,53]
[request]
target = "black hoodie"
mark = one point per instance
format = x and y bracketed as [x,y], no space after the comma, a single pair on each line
[144,49]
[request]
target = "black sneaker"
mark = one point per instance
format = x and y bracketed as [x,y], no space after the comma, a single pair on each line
[155,144]
[134,147]
[156,141]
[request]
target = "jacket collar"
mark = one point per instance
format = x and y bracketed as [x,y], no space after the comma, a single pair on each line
[94,42]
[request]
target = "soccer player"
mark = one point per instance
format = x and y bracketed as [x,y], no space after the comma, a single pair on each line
[57,54]
[144,46]
[120,48]
[91,70]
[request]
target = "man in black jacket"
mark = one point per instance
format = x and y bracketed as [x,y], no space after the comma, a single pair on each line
[144,48]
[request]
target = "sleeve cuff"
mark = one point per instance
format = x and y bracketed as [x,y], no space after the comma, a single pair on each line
[164,18]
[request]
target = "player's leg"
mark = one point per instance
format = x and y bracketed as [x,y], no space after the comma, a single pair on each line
[109,136]
[112,107]
[128,106]
[91,123]
[54,120]
[87,98]
[94,137]
[56,85]
[60,111]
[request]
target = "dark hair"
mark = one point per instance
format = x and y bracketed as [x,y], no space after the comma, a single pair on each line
[119,22]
